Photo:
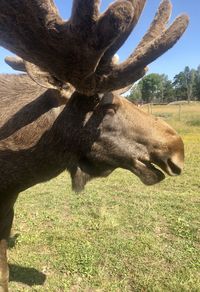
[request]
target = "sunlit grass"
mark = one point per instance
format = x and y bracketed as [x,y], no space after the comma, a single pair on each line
[118,235]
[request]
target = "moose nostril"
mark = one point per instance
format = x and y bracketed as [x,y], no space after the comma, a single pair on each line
[174,168]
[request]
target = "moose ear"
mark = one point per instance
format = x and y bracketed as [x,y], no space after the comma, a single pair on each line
[123,90]
[46,80]
[42,77]
[16,63]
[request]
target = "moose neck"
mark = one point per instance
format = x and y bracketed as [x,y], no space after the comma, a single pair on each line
[73,132]
[60,137]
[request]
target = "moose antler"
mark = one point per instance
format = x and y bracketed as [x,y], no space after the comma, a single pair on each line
[138,6]
[80,50]
[70,50]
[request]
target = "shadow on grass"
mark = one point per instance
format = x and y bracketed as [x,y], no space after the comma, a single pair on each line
[12,240]
[28,276]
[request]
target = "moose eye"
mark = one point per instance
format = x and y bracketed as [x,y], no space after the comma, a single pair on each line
[110,109]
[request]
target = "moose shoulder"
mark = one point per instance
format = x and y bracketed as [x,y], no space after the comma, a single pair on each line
[65,112]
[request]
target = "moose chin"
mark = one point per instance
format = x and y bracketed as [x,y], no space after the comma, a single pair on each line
[65,109]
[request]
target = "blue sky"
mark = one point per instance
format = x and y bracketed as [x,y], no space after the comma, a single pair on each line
[185,52]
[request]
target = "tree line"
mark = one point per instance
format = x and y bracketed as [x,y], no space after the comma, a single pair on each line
[157,88]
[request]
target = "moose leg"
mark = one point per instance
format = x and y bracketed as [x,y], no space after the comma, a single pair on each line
[4,272]
[5,227]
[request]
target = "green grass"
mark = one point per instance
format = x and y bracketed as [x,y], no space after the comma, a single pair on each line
[118,235]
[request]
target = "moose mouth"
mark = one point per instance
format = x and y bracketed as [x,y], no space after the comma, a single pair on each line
[147,172]
[152,173]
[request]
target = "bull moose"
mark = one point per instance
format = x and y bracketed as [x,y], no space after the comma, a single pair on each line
[64,111]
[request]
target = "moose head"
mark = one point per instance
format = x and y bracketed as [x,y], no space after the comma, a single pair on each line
[78,56]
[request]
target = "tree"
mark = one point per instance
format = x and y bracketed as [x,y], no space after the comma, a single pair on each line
[151,88]
[135,93]
[180,86]
[196,87]
[184,84]
[168,91]
[156,88]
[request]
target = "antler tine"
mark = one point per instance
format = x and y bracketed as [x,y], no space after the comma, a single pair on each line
[85,12]
[16,63]
[138,6]
[157,26]
[19,32]
[119,12]
[158,40]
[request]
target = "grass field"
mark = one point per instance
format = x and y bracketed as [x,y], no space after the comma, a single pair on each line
[116,236]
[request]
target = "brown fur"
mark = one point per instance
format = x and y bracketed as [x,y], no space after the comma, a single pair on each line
[89,136]
[40,138]
[69,125]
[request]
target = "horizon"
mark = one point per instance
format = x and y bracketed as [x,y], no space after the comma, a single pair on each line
[186,52]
